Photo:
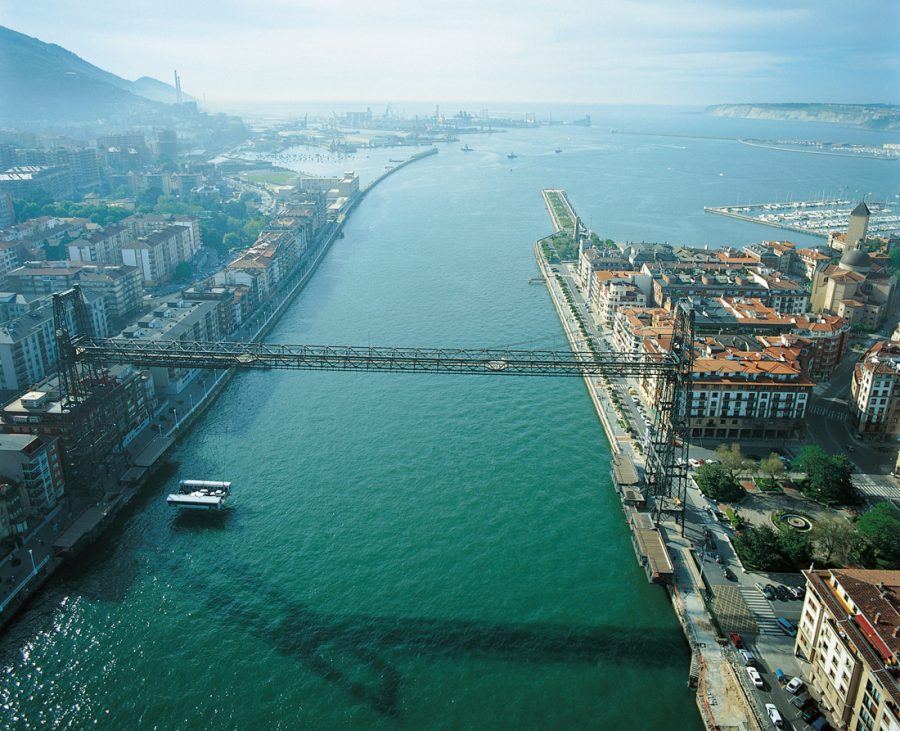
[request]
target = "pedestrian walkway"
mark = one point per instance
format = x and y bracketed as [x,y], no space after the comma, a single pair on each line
[878,486]
[761,609]
[829,412]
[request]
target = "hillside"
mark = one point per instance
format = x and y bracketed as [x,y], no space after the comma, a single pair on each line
[43,82]
[872,116]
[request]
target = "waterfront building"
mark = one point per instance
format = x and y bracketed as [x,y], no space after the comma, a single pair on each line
[849,632]
[100,247]
[158,253]
[93,431]
[35,463]
[633,324]
[590,260]
[261,267]
[120,285]
[854,289]
[176,319]
[13,521]
[24,180]
[740,390]
[613,290]
[311,207]
[875,391]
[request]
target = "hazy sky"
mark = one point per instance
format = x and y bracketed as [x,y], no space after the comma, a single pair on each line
[583,51]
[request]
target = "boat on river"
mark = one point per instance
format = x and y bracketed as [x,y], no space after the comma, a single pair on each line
[200,495]
[466,148]
[512,156]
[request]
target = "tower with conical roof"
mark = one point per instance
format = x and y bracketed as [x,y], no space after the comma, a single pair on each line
[859,225]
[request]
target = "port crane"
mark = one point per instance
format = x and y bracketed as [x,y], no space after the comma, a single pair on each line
[81,354]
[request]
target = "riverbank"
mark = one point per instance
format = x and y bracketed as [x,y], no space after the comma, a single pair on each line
[719,696]
[92,521]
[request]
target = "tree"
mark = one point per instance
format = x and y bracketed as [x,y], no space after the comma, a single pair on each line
[829,476]
[795,548]
[758,549]
[772,466]
[732,459]
[830,481]
[183,271]
[765,549]
[231,240]
[809,456]
[880,525]
[835,538]
[716,483]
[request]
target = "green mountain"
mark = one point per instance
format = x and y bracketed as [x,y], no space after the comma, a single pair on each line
[43,82]
[873,116]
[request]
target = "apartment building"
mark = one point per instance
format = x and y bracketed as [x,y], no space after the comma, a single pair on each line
[786,296]
[634,324]
[119,285]
[92,433]
[740,392]
[669,287]
[875,391]
[614,290]
[141,224]
[100,247]
[28,350]
[22,181]
[13,521]
[35,463]
[157,253]
[176,319]
[849,632]
[261,267]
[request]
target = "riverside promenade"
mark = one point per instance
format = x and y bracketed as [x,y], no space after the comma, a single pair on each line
[720,697]
[72,526]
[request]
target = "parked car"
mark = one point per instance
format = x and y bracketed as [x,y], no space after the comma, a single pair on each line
[774,715]
[798,592]
[729,574]
[711,461]
[695,463]
[786,627]
[747,657]
[736,640]
[755,677]
[802,701]
[795,686]
[810,714]
[768,591]
[783,594]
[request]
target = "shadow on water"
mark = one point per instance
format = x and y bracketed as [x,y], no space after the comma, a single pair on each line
[201,521]
[342,649]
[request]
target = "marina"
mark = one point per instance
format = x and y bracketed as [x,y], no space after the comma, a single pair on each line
[813,217]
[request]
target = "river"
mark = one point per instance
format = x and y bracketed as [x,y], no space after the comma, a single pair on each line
[410,551]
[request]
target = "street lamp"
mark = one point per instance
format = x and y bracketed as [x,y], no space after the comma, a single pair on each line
[175,411]
[33,566]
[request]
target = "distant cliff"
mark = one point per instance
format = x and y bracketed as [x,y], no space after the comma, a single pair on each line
[872,116]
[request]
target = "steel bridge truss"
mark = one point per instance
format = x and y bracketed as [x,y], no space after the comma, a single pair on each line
[667,374]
